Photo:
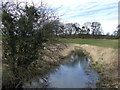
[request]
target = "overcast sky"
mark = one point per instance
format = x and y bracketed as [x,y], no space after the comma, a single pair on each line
[80,11]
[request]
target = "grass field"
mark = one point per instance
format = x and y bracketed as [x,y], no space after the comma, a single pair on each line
[95,42]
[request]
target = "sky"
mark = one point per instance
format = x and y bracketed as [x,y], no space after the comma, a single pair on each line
[81,11]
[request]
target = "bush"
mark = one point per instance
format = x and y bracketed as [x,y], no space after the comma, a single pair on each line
[24,31]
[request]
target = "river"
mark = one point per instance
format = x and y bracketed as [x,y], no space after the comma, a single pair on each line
[75,72]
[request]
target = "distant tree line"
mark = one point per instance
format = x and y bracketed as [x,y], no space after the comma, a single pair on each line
[88,28]
[93,28]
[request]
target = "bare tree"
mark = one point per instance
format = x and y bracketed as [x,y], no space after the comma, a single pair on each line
[76,28]
[87,26]
[96,28]
[68,28]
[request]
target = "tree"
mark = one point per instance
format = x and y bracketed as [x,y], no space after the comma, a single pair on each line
[58,28]
[61,28]
[108,34]
[25,29]
[87,26]
[69,28]
[76,28]
[117,32]
[96,28]
[83,30]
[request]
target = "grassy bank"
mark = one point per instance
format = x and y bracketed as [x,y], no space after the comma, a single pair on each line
[105,62]
[54,54]
[95,42]
[107,79]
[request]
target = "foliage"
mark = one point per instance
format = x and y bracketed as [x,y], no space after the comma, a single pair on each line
[25,29]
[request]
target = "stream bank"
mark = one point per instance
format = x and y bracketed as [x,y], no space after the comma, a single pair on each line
[104,61]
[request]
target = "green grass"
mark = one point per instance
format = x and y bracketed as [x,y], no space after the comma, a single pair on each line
[95,42]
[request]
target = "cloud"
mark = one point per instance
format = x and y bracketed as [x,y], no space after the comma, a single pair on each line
[104,11]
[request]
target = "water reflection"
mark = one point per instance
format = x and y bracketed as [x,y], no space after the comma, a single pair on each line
[74,73]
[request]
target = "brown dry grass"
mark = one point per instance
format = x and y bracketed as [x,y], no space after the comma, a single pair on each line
[105,61]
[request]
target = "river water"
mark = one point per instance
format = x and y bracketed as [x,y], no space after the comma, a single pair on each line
[76,72]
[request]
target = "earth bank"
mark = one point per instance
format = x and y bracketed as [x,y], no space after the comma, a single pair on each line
[104,61]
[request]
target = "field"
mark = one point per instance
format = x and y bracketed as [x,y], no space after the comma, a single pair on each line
[95,42]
